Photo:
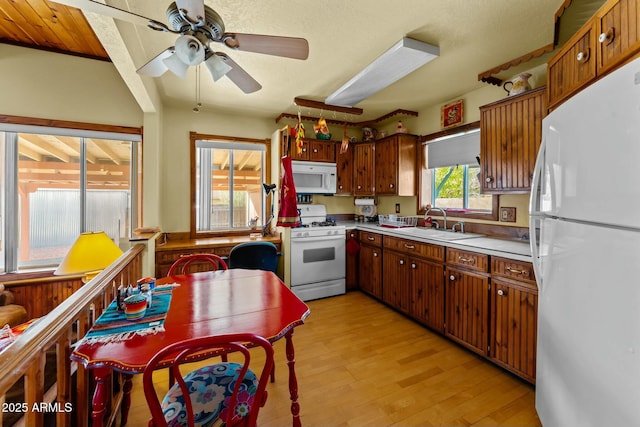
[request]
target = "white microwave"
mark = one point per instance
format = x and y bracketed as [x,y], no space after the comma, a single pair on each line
[314,177]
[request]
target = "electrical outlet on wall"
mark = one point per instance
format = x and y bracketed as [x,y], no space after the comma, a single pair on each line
[397,208]
[508,214]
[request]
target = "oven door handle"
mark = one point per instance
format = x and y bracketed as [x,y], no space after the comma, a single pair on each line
[317,238]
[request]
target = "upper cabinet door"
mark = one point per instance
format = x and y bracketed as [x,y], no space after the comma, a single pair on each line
[344,166]
[573,66]
[363,168]
[510,136]
[396,165]
[618,32]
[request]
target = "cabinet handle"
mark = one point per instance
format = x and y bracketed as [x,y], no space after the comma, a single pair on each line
[359,187]
[401,262]
[408,246]
[583,56]
[502,293]
[315,150]
[390,185]
[467,260]
[413,265]
[488,179]
[607,36]
[340,187]
[304,150]
[515,271]
[371,238]
[375,254]
[452,277]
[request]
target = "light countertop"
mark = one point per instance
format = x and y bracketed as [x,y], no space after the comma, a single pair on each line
[513,249]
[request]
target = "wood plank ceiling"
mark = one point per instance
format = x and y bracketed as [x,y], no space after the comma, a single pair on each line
[49,26]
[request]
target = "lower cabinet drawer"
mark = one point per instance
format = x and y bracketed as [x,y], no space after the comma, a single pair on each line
[517,270]
[373,239]
[423,250]
[469,260]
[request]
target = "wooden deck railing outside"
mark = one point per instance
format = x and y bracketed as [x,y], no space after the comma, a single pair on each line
[69,321]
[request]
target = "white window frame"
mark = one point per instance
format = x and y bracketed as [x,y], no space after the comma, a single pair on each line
[11,198]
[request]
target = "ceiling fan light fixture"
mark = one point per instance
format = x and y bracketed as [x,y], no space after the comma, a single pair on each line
[189,50]
[176,66]
[400,60]
[217,66]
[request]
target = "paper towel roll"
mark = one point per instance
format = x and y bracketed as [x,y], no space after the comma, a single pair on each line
[364,202]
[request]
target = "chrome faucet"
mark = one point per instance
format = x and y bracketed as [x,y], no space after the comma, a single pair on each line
[444,215]
[461,224]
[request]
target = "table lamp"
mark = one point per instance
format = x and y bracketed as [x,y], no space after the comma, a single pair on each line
[268,189]
[91,253]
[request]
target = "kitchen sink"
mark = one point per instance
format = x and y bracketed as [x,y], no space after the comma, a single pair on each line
[431,233]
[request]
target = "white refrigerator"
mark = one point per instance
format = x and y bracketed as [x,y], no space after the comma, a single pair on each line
[585,238]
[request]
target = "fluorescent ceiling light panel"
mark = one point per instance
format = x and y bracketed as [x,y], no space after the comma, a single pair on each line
[403,58]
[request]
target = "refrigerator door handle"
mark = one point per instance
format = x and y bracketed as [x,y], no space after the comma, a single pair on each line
[534,241]
[534,212]
[536,181]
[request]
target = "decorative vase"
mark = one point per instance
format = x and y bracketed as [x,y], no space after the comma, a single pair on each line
[519,84]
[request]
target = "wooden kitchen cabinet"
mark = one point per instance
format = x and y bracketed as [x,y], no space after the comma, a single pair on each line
[314,150]
[396,286]
[427,298]
[510,136]
[303,154]
[618,32]
[364,168]
[488,304]
[370,264]
[606,41]
[352,263]
[344,166]
[395,165]
[573,66]
[467,299]
[414,280]
[322,151]
[514,317]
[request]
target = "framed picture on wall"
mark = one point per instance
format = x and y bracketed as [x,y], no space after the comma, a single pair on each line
[451,114]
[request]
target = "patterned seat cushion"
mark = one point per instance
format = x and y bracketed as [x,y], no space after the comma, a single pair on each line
[210,388]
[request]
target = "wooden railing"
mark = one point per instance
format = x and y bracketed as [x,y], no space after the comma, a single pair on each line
[54,333]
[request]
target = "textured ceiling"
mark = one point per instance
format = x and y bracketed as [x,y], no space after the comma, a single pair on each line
[344,37]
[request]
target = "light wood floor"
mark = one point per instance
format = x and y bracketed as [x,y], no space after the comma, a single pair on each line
[359,363]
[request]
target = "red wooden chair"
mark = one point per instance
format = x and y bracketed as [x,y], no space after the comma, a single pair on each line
[181,265]
[228,391]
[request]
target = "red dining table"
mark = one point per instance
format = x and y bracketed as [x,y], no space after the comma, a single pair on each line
[208,303]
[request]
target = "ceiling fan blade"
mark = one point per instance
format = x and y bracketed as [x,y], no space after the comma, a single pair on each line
[289,47]
[103,9]
[157,67]
[194,8]
[240,77]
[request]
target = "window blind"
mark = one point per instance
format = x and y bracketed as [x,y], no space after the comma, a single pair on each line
[459,149]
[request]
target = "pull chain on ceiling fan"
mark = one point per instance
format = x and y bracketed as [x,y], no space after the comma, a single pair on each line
[198,25]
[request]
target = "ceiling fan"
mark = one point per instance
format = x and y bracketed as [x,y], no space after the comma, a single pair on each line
[198,25]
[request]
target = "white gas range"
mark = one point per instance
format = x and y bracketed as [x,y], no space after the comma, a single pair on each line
[316,255]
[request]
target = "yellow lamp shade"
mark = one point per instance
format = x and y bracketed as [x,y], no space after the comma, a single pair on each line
[90,253]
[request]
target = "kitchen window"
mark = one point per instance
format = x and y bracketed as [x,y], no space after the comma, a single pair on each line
[57,183]
[228,196]
[450,176]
